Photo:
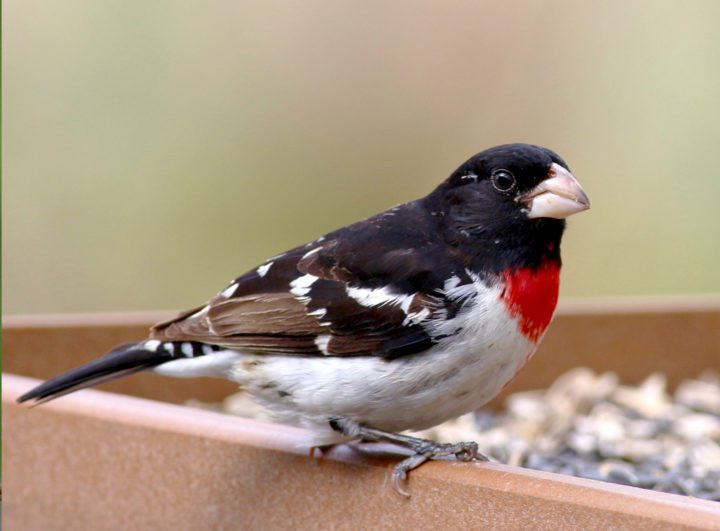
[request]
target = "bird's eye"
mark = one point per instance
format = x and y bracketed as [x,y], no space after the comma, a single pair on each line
[503,180]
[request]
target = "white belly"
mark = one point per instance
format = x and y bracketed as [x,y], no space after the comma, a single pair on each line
[455,376]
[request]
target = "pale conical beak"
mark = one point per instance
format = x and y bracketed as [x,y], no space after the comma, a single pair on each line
[558,196]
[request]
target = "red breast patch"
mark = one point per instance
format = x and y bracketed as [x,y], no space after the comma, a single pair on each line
[531,296]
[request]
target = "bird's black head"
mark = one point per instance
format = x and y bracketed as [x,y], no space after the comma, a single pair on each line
[513,198]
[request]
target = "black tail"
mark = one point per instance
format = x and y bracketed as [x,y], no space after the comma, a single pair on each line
[122,361]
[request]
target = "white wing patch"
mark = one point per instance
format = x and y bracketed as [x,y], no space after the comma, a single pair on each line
[383,296]
[263,269]
[319,313]
[227,292]
[300,287]
[311,252]
[322,341]
[379,297]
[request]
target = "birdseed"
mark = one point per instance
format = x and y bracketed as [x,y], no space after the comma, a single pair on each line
[589,425]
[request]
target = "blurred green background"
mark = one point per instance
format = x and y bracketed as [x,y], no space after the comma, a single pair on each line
[154,150]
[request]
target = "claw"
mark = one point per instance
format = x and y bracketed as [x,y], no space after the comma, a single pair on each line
[399,478]
[400,474]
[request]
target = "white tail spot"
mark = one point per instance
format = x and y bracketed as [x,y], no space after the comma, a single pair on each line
[151,344]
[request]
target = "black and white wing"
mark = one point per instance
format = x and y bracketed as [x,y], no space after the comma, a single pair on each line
[368,289]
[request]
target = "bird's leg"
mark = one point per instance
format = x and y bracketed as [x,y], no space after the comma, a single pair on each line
[317,451]
[424,449]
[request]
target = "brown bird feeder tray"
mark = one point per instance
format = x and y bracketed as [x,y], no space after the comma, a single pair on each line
[132,458]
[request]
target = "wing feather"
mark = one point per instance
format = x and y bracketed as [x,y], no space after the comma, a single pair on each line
[358,288]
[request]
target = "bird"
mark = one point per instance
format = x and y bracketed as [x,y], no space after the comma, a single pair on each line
[398,322]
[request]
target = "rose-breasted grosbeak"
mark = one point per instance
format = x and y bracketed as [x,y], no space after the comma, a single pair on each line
[401,321]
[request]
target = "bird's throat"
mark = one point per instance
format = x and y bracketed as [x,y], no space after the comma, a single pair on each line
[530,295]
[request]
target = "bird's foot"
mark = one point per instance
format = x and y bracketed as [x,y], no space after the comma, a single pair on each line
[424,449]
